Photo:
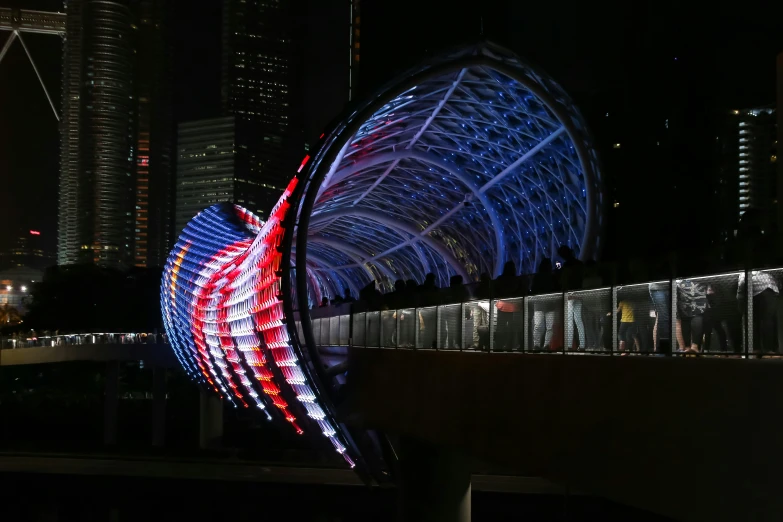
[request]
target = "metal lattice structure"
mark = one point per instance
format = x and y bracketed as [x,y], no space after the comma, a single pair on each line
[468,162]
[460,165]
[19,21]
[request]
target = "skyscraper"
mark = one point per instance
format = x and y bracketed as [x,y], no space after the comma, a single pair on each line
[261,87]
[355,48]
[209,170]
[748,170]
[115,135]
[154,136]
[97,147]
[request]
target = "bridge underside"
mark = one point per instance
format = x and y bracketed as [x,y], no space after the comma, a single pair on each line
[691,439]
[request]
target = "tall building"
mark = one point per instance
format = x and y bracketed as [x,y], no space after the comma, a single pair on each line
[748,169]
[779,145]
[261,87]
[355,48]
[211,169]
[153,219]
[115,135]
[97,135]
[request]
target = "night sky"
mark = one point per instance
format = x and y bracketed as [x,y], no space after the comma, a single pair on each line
[725,58]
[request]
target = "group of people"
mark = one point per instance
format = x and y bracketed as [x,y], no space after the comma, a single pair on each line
[710,316]
[572,311]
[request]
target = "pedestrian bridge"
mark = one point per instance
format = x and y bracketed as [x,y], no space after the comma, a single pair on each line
[688,434]
[30,348]
[665,418]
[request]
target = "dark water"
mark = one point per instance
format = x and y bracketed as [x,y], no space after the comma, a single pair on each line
[63,498]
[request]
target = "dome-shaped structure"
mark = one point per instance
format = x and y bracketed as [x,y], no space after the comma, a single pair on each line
[458,166]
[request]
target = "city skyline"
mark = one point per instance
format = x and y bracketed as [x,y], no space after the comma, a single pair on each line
[740,57]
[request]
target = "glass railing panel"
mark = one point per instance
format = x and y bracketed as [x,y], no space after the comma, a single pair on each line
[316,323]
[324,331]
[359,329]
[388,329]
[476,325]
[709,314]
[449,332]
[545,323]
[508,331]
[373,329]
[588,321]
[334,330]
[765,337]
[407,327]
[636,318]
[428,327]
[345,330]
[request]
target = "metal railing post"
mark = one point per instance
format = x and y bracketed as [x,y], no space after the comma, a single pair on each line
[673,318]
[565,320]
[491,330]
[614,321]
[461,323]
[526,325]
[397,322]
[438,329]
[417,327]
[749,340]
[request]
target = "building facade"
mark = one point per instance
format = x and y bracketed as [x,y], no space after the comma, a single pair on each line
[748,168]
[212,169]
[115,135]
[29,251]
[97,144]
[153,212]
[261,88]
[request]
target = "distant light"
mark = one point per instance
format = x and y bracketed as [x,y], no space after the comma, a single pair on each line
[35,233]
[616,146]
[735,112]
[675,58]
[24,289]
[9,288]
[616,204]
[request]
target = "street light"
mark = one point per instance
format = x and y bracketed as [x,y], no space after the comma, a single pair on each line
[24,288]
[9,288]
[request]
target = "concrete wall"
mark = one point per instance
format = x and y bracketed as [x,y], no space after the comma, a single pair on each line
[694,439]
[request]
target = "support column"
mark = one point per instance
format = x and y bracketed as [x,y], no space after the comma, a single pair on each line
[210,420]
[158,406]
[434,483]
[111,402]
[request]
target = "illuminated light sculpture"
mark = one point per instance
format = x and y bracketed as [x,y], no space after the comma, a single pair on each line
[469,161]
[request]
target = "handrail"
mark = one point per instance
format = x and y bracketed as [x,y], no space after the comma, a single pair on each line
[32,340]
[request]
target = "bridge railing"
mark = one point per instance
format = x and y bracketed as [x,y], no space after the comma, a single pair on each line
[32,340]
[706,315]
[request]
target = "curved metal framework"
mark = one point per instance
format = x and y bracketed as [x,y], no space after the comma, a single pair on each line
[460,165]
[470,161]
